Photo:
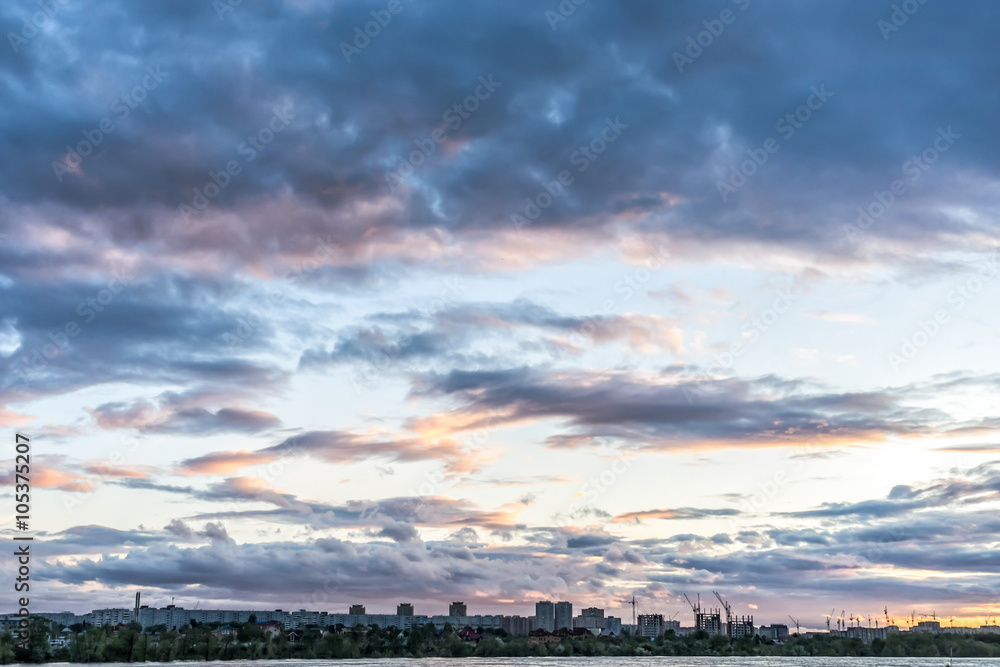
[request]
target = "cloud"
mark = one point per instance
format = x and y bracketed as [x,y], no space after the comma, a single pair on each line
[657,411]
[325,174]
[181,419]
[681,513]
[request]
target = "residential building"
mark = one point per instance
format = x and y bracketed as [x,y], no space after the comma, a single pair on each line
[650,625]
[457,609]
[545,616]
[404,609]
[356,610]
[564,615]
[516,625]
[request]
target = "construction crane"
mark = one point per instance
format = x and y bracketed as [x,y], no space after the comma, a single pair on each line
[696,608]
[633,603]
[885,610]
[674,616]
[829,616]
[796,622]
[729,612]
[843,623]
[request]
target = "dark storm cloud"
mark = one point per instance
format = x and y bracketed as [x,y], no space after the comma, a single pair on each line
[458,333]
[377,572]
[979,485]
[662,414]
[243,497]
[167,329]
[351,122]
[179,414]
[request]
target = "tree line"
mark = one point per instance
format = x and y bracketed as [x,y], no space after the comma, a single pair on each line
[250,642]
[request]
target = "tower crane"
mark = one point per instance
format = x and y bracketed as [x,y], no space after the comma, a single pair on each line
[729,612]
[796,622]
[633,603]
[829,616]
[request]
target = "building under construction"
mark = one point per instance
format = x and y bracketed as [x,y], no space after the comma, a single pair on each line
[740,626]
[650,625]
[710,620]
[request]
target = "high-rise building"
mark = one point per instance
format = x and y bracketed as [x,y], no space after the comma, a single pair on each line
[545,616]
[404,609]
[564,615]
[356,610]
[593,612]
[650,625]
[458,609]
[741,626]
[516,625]
[710,621]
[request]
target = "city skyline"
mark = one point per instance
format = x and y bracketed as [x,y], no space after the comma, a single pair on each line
[313,303]
[549,616]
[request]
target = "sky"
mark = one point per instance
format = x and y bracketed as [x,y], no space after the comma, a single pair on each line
[309,303]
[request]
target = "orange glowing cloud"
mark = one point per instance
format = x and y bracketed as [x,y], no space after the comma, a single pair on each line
[224,463]
[49,477]
[11,418]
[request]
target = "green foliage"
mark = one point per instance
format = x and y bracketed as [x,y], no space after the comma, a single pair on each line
[199,643]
